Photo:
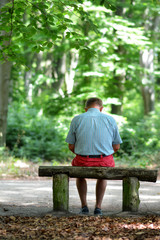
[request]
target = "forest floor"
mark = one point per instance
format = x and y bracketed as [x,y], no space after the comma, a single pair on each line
[26,211]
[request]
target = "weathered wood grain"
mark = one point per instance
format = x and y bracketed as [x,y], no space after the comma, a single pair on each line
[61,192]
[131,199]
[100,172]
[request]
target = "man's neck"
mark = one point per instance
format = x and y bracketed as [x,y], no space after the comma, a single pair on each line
[94,106]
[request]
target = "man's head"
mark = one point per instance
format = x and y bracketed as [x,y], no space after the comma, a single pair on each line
[94,103]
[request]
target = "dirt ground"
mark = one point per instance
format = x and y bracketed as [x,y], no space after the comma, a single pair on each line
[34,198]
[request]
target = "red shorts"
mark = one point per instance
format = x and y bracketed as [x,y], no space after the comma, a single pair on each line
[80,161]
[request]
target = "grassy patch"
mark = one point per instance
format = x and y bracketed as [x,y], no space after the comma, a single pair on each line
[12,167]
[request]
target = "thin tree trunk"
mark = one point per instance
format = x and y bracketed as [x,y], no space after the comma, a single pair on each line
[148,92]
[119,78]
[147,63]
[5,69]
[4,91]
[158,77]
[119,82]
[156,36]
[69,79]
[86,58]
[59,72]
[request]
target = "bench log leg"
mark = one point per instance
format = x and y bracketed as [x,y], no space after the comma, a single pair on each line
[130,194]
[60,192]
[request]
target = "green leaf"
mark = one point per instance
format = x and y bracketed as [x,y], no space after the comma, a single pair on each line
[68,20]
[18,11]
[41,48]
[49,45]
[45,44]
[34,48]
[102,2]
[107,4]
[68,35]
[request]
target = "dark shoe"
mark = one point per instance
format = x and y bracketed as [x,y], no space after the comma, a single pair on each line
[84,210]
[97,211]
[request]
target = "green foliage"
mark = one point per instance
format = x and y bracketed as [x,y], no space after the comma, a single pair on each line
[31,135]
[141,142]
[73,50]
[39,24]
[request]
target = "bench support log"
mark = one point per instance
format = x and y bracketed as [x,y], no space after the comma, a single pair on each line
[130,194]
[60,192]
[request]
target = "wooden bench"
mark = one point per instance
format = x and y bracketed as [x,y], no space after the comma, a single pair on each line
[130,177]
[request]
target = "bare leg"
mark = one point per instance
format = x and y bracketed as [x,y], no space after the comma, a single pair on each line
[82,190]
[100,190]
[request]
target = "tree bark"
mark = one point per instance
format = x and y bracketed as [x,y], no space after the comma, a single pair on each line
[158,77]
[100,172]
[147,63]
[4,92]
[118,83]
[69,78]
[147,78]
[119,79]
[5,69]
[86,58]
[59,67]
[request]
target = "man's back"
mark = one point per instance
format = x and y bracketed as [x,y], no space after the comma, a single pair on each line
[93,133]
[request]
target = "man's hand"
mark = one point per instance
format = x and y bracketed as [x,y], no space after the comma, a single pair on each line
[71,147]
[116,147]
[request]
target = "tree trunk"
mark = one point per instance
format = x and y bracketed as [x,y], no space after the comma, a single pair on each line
[116,109]
[119,78]
[69,78]
[59,72]
[147,63]
[4,91]
[86,57]
[5,69]
[147,78]
[158,77]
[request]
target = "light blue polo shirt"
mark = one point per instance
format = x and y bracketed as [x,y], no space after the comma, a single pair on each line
[93,133]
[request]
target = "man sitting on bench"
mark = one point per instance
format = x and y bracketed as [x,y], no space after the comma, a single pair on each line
[93,137]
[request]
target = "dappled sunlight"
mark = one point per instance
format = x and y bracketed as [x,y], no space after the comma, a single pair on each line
[149,200]
[39,193]
[21,164]
[114,187]
[93,74]
[149,197]
[139,226]
[2,164]
[80,227]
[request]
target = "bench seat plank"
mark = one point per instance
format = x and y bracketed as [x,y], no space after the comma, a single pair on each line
[100,172]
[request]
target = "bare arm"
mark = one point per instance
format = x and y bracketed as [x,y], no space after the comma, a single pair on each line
[116,147]
[71,147]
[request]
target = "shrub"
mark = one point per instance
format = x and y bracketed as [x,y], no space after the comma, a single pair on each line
[32,135]
[141,136]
